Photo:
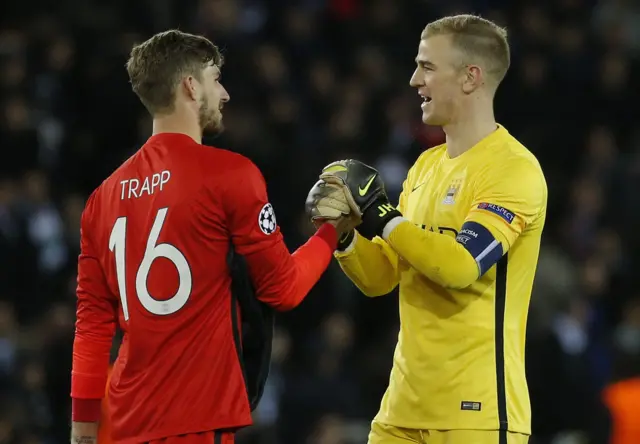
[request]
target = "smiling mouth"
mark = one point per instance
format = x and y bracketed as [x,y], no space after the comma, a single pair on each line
[426,99]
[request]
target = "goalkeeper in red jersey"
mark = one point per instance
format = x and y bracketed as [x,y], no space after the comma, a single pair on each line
[180,247]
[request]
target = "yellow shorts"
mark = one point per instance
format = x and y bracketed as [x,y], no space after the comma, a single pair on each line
[386,434]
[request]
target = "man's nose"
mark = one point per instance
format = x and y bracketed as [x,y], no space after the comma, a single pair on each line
[225,95]
[415,79]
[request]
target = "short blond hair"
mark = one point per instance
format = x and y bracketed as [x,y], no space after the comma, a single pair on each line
[478,39]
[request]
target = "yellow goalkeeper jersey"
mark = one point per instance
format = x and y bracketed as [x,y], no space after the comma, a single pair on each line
[465,260]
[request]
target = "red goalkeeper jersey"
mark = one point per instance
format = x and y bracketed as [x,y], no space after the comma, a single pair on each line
[155,237]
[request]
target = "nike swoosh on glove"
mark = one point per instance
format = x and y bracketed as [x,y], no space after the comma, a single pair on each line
[364,189]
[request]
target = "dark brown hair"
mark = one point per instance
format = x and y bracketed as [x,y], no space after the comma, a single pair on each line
[157,66]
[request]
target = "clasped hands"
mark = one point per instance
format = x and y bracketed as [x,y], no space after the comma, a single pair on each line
[350,194]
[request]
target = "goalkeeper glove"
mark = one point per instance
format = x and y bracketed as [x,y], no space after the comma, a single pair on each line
[328,202]
[365,193]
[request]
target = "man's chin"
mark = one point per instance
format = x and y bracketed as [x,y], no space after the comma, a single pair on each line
[431,120]
[427,119]
[214,129]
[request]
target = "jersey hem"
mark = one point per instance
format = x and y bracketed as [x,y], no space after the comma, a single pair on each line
[443,426]
[165,434]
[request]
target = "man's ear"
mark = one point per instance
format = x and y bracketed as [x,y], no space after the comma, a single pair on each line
[473,79]
[189,85]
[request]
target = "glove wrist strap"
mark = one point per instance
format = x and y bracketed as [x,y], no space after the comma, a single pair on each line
[376,217]
[346,239]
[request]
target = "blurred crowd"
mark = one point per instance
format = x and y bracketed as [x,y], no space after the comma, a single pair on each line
[313,81]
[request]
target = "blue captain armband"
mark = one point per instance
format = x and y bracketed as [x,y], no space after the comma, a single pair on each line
[479,241]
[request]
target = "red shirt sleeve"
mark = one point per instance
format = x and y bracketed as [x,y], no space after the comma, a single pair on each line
[281,280]
[96,316]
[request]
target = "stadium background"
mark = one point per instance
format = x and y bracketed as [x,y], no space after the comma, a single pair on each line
[312,81]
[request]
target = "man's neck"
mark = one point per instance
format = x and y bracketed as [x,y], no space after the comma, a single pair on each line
[177,124]
[467,131]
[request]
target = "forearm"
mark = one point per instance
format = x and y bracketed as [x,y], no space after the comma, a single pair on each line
[90,365]
[90,361]
[283,280]
[370,266]
[310,262]
[437,256]
[84,432]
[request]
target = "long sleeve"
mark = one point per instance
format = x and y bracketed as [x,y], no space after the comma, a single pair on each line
[439,257]
[96,316]
[505,203]
[280,279]
[373,266]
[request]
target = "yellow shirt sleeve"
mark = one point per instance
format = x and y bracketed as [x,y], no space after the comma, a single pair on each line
[372,265]
[506,200]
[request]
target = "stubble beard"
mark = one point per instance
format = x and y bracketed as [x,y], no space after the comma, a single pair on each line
[210,119]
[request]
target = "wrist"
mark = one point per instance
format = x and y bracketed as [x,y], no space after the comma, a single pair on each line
[86,410]
[84,432]
[329,234]
[376,217]
[390,226]
[346,240]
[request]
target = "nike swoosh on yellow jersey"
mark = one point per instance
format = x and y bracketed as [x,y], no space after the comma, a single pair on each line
[364,190]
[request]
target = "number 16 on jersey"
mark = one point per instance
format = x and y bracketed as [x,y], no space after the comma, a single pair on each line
[117,244]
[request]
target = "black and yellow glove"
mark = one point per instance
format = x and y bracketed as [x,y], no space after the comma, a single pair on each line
[364,190]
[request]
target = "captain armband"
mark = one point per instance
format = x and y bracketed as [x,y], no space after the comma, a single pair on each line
[485,249]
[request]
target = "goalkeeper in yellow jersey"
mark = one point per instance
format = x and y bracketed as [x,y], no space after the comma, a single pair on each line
[462,244]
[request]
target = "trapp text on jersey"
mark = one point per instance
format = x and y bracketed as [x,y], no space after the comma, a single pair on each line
[135,188]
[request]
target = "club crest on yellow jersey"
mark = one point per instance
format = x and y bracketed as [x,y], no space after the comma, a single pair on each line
[452,192]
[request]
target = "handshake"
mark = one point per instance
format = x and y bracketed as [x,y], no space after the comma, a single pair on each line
[350,194]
